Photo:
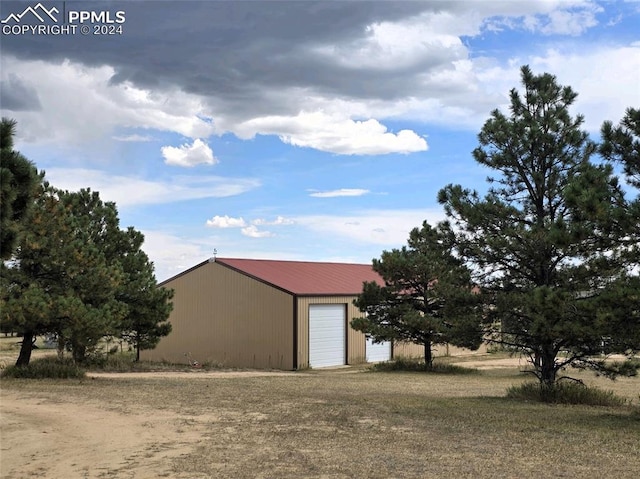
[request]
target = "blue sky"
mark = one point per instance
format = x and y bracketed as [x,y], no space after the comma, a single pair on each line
[295,130]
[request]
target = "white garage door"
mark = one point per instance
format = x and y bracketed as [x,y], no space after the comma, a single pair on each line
[378,352]
[326,335]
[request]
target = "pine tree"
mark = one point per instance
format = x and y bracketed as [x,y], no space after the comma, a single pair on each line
[621,145]
[60,281]
[77,275]
[427,298]
[71,270]
[148,306]
[548,241]
[18,182]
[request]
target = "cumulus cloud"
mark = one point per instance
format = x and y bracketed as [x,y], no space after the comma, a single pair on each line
[18,94]
[252,231]
[198,153]
[249,230]
[430,38]
[226,222]
[92,106]
[340,192]
[280,220]
[387,62]
[577,70]
[335,134]
[129,191]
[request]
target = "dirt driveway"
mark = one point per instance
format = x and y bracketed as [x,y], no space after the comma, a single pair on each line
[53,440]
[169,424]
[48,438]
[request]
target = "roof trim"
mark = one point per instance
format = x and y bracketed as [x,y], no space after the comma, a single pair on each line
[306,278]
[326,295]
[285,287]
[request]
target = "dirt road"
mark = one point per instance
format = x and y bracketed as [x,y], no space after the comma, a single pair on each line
[238,424]
[47,438]
[53,440]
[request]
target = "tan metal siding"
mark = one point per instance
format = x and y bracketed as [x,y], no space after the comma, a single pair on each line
[407,350]
[411,350]
[227,318]
[448,350]
[355,339]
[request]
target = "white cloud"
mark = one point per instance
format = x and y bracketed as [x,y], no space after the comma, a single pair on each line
[432,36]
[566,22]
[128,191]
[133,138]
[226,222]
[603,92]
[489,81]
[549,17]
[75,93]
[340,192]
[172,254]
[381,227]
[334,134]
[253,232]
[366,233]
[280,220]
[198,153]
[453,88]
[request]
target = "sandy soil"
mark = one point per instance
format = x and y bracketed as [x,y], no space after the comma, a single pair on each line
[59,435]
[512,362]
[47,439]
[195,374]
[53,440]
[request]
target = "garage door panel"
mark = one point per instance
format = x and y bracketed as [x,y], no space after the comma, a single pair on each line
[378,352]
[327,335]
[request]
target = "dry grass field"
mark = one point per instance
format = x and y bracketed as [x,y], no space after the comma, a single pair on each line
[342,423]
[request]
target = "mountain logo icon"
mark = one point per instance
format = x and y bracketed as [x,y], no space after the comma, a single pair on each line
[39,12]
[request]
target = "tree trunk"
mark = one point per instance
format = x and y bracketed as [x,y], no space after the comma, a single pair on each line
[78,351]
[428,355]
[137,347]
[547,369]
[25,350]
[60,348]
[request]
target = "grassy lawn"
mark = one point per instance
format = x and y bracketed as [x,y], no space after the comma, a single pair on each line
[345,423]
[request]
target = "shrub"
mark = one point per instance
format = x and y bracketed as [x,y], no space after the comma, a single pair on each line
[629,367]
[411,364]
[49,367]
[116,362]
[565,393]
[121,362]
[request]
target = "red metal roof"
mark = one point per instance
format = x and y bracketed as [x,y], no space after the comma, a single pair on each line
[307,278]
